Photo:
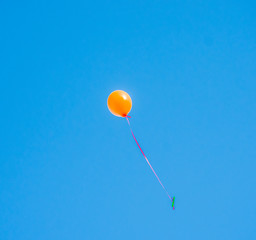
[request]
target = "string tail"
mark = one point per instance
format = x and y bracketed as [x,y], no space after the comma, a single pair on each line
[158,179]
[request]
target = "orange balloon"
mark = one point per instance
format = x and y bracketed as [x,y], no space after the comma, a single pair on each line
[119,103]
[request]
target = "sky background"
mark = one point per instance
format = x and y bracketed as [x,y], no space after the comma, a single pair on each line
[71,170]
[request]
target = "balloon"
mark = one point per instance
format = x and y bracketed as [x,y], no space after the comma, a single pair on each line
[119,103]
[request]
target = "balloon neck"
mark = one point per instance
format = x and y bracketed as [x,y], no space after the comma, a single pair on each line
[126,116]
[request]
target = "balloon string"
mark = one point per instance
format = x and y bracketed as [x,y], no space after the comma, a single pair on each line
[172,200]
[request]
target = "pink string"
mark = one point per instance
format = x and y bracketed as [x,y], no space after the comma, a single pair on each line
[147,160]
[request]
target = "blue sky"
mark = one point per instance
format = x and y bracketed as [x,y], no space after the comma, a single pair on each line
[71,170]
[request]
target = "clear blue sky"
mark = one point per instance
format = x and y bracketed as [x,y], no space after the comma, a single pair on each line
[71,170]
